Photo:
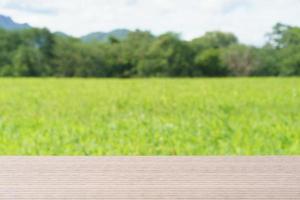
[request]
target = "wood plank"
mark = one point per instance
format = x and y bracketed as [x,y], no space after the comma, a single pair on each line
[149,177]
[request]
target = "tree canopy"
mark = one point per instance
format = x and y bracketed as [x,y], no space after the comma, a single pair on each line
[38,52]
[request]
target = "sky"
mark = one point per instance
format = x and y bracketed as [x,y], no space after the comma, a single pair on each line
[250,20]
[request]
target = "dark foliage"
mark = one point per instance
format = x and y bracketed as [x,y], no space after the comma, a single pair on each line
[38,52]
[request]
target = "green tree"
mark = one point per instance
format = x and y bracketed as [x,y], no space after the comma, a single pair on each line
[286,40]
[74,58]
[9,42]
[210,64]
[290,61]
[214,40]
[239,59]
[42,40]
[267,61]
[284,36]
[27,62]
[38,52]
[167,56]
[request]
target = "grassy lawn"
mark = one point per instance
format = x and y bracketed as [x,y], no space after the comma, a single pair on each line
[251,116]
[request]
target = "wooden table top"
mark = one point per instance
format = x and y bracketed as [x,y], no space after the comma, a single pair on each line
[149,178]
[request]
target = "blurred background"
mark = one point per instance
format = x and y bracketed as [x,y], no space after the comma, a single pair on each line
[138,38]
[149,77]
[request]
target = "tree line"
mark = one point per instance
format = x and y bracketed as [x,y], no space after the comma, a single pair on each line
[38,53]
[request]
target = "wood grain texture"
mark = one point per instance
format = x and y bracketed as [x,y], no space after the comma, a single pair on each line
[149,178]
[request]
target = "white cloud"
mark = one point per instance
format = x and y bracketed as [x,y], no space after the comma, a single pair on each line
[249,19]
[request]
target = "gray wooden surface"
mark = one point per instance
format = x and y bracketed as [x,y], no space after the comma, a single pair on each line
[149,177]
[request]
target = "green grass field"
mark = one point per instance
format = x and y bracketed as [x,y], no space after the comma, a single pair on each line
[150,116]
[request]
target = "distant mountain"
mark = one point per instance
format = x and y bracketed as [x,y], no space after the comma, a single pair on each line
[8,24]
[102,36]
[62,34]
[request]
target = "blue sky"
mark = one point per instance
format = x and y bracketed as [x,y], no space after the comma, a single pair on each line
[248,19]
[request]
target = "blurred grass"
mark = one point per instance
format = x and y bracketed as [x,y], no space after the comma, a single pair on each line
[251,116]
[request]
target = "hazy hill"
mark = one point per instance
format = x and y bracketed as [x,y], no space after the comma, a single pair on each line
[62,34]
[102,36]
[8,24]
